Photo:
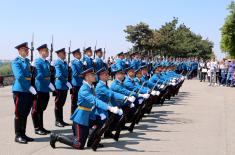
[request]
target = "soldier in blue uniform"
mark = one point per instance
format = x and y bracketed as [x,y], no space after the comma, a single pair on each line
[83,114]
[43,85]
[98,62]
[87,60]
[62,85]
[22,92]
[127,60]
[120,64]
[77,69]
[136,62]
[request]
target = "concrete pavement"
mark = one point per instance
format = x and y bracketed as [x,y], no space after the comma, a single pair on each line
[199,121]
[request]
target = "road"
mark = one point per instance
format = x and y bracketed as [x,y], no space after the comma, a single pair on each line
[199,121]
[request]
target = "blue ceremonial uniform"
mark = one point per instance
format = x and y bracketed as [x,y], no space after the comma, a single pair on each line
[42,78]
[120,64]
[135,63]
[130,85]
[118,87]
[99,64]
[108,96]
[21,70]
[139,83]
[86,102]
[61,74]
[77,69]
[89,62]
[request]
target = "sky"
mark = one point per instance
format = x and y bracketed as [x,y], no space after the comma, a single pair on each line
[103,21]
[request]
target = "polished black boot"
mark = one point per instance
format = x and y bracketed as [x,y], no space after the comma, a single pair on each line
[58,122]
[41,126]
[23,130]
[36,123]
[18,137]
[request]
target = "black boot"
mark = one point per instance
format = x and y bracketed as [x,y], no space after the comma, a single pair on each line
[41,126]
[18,137]
[53,139]
[58,122]
[65,140]
[36,123]
[62,118]
[23,130]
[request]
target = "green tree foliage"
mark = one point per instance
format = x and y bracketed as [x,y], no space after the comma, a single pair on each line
[5,69]
[169,40]
[227,43]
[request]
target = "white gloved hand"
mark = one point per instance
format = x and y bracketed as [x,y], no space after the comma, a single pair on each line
[141,95]
[84,63]
[131,99]
[140,100]
[146,96]
[103,116]
[51,86]
[173,83]
[162,86]
[32,90]
[120,112]
[114,110]
[94,60]
[158,93]
[153,93]
[132,105]
[69,85]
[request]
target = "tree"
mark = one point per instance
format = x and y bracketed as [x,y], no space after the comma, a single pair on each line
[227,43]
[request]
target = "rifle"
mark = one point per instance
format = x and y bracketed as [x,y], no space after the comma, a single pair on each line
[141,112]
[104,128]
[52,69]
[123,119]
[32,67]
[95,50]
[69,67]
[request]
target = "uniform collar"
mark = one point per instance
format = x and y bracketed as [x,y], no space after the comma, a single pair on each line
[87,84]
[102,82]
[42,58]
[77,59]
[22,57]
[61,60]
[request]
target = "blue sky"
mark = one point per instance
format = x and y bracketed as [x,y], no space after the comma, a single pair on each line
[84,22]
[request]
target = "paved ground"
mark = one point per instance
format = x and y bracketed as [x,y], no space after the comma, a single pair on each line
[199,121]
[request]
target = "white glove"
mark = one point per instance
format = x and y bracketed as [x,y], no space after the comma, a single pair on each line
[32,90]
[94,60]
[131,99]
[114,110]
[158,93]
[84,63]
[173,83]
[120,112]
[146,96]
[69,85]
[140,100]
[141,95]
[162,86]
[102,116]
[51,86]
[132,105]
[33,63]
[153,93]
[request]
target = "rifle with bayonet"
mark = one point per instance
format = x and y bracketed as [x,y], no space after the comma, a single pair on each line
[32,65]
[52,69]
[69,67]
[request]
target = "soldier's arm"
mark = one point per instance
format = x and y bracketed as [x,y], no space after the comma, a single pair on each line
[59,73]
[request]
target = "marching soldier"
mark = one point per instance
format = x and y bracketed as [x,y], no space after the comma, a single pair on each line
[136,63]
[43,86]
[87,59]
[84,113]
[22,92]
[77,69]
[62,85]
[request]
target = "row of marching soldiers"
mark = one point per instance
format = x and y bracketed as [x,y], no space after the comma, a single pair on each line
[97,109]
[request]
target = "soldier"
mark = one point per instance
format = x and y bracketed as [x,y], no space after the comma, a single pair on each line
[120,64]
[99,63]
[87,60]
[136,62]
[43,86]
[82,115]
[62,86]
[22,92]
[77,69]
